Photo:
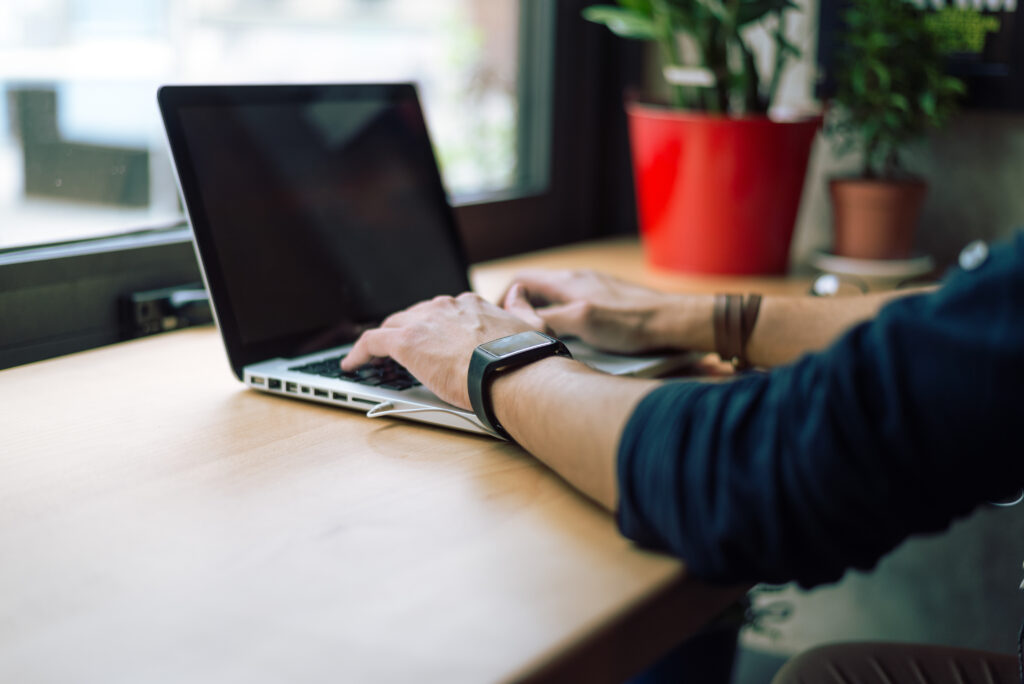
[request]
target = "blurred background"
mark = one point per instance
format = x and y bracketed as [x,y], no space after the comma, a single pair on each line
[81,145]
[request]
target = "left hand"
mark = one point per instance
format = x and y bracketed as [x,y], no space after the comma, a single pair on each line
[435,339]
[605,312]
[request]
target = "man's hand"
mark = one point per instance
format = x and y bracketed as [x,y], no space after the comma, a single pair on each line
[435,339]
[567,415]
[606,312]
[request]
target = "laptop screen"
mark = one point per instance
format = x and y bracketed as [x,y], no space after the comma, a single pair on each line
[317,210]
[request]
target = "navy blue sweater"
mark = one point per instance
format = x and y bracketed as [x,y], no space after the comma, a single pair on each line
[904,424]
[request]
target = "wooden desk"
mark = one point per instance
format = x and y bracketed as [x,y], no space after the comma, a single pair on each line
[160,522]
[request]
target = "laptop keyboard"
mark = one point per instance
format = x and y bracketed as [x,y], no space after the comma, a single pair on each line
[384,373]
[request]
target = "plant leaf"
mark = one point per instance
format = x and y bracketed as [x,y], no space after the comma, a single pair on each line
[753,10]
[858,81]
[627,23]
[642,6]
[787,48]
[928,103]
[882,75]
[954,85]
[685,19]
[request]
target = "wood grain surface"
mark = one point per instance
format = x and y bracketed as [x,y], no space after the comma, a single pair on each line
[160,522]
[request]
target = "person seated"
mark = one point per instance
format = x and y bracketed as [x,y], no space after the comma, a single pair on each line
[877,417]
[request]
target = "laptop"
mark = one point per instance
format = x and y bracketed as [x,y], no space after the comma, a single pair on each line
[317,211]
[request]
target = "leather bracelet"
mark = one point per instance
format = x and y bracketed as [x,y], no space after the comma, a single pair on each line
[733,319]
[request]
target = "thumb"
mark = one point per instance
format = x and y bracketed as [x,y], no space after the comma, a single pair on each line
[566,319]
[516,303]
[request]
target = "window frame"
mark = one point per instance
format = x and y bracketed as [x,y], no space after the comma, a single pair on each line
[57,299]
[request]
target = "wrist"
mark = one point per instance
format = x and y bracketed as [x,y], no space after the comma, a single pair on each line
[521,385]
[684,322]
[500,356]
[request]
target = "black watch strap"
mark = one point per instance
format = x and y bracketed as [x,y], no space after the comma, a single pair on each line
[502,355]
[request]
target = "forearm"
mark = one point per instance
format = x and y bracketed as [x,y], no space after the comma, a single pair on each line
[901,426]
[787,327]
[571,418]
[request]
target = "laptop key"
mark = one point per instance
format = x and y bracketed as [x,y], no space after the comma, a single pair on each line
[385,373]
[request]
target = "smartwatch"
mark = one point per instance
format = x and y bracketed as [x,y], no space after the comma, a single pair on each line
[502,355]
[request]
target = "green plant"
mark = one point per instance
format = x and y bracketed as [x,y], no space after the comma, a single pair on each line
[726,73]
[891,85]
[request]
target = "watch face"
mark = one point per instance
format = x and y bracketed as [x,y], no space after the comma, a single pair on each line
[515,343]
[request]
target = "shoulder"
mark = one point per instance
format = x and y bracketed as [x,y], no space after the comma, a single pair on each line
[989,278]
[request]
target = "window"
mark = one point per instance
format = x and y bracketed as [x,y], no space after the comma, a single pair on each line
[83,152]
[523,99]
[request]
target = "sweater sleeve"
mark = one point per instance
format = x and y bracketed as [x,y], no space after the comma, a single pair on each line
[906,423]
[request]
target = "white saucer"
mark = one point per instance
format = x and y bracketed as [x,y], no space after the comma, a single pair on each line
[874,269]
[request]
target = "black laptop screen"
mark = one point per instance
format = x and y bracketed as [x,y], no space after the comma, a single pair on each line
[318,213]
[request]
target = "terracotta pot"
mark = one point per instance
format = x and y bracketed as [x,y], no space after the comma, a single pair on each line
[875,219]
[717,194]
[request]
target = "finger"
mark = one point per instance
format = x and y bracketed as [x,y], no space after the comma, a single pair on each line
[543,286]
[371,344]
[515,302]
[566,319]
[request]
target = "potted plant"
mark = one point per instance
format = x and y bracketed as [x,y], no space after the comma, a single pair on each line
[891,89]
[718,182]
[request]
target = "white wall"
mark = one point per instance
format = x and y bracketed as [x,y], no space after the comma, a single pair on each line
[975,168]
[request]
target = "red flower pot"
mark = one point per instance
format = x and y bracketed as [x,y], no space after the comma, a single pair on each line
[717,194]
